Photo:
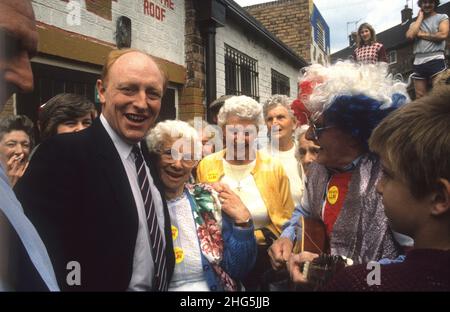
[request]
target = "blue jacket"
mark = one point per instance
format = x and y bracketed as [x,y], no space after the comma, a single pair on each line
[32,243]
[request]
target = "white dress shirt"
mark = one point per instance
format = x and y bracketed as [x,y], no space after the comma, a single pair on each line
[143,266]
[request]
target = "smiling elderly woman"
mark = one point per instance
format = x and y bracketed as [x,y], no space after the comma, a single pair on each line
[257,178]
[281,124]
[211,252]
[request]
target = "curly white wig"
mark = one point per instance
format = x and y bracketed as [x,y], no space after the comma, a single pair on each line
[278,100]
[243,107]
[172,130]
[349,79]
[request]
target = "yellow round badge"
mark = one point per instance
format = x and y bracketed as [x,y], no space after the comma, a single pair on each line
[174,232]
[212,176]
[333,194]
[179,255]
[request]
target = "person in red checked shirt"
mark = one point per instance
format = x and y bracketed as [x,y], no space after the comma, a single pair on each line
[368,50]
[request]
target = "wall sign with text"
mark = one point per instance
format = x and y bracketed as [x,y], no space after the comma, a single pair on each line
[158,8]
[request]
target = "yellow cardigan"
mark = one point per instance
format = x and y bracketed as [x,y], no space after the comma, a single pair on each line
[271,181]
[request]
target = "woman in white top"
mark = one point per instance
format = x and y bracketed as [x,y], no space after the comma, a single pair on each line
[281,124]
[213,249]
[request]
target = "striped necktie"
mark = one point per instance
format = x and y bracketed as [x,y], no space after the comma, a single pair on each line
[156,241]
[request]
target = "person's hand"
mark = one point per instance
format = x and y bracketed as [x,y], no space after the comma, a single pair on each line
[218,187]
[279,252]
[16,167]
[420,15]
[294,265]
[232,205]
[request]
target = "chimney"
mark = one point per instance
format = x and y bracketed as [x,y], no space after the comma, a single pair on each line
[407,14]
[352,38]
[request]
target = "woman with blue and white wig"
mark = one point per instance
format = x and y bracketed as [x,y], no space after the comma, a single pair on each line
[346,101]
[353,97]
[211,253]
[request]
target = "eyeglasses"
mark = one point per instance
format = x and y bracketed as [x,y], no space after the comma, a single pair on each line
[248,130]
[170,156]
[316,131]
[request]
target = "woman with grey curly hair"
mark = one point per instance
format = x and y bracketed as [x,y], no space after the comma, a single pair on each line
[258,180]
[243,107]
[281,124]
[212,253]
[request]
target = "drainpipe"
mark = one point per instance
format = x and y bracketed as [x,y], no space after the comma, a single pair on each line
[210,60]
[210,15]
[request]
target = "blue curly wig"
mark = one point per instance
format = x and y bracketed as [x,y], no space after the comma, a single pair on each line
[354,97]
[360,114]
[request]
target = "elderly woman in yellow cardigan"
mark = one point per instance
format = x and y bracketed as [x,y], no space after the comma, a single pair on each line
[258,179]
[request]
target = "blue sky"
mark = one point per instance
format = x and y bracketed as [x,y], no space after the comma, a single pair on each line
[344,16]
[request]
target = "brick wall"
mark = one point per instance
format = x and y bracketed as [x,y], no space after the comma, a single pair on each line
[193,94]
[404,61]
[403,66]
[288,20]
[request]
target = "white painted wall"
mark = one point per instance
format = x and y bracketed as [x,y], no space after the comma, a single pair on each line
[161,38]
[235,37]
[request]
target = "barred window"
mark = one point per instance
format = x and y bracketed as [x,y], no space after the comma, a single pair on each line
[280,83]
[241,74]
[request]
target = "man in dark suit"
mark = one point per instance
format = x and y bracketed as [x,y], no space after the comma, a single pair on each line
[18,237]
[85,192]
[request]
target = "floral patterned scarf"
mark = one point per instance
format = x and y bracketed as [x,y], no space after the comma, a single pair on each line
[208,221]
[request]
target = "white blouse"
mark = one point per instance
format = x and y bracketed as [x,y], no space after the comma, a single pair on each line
[241,181]
[188,273]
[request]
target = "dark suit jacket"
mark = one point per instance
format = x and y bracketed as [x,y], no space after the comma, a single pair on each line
[77,194]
